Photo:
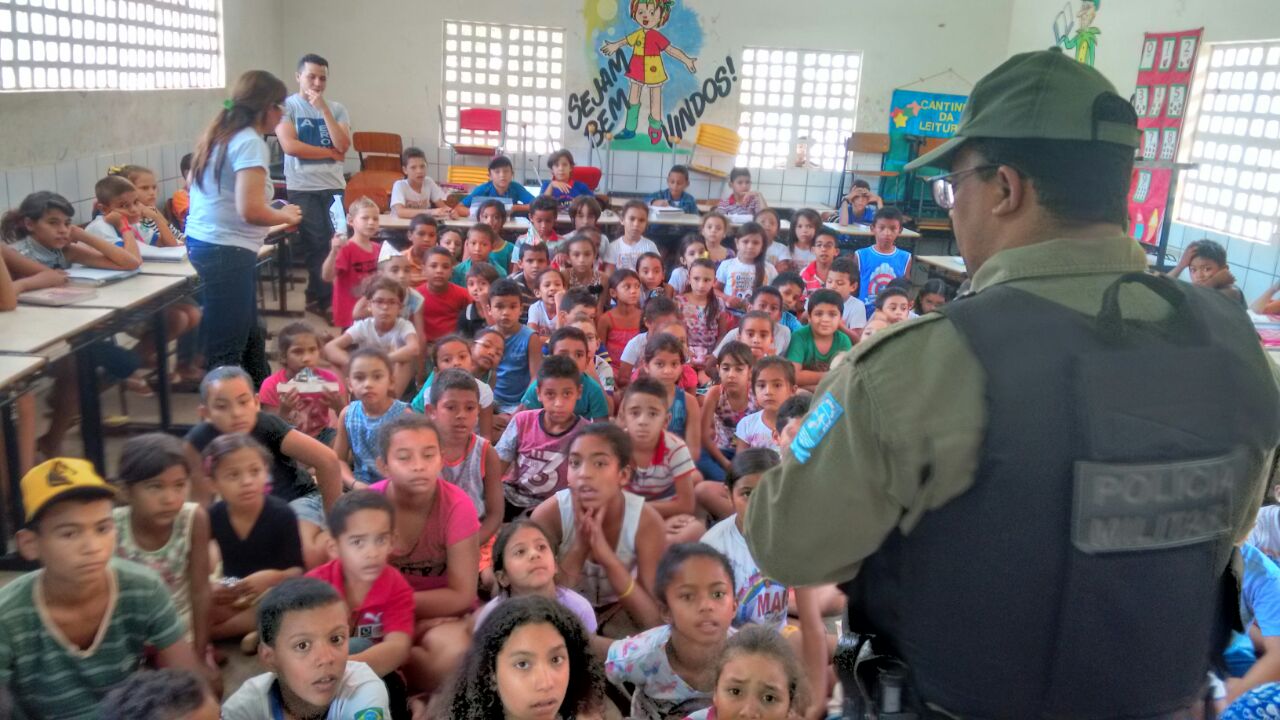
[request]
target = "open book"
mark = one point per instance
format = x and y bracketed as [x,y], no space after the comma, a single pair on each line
[57,296]
[81,275]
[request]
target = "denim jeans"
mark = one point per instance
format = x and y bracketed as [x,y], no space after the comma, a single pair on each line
[712,470]
[314,234]
[228,298]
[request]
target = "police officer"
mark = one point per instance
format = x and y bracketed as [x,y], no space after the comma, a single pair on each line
[1032,497]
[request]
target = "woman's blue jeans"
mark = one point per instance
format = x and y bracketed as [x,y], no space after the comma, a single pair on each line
[228,281]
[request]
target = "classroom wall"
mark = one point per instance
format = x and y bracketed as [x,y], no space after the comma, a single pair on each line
[1122,24]
[65,141]
[386,67]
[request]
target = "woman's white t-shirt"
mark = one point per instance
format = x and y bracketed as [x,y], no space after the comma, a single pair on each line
[213,217]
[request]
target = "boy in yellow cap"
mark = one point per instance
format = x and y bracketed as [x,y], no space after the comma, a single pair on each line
[77,627]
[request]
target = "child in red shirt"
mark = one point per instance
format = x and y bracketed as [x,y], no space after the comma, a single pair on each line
[815,275]
[352,260]
[442,301]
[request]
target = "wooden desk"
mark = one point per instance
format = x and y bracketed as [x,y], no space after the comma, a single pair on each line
[134,292]
[32,329]
[947,264]
[709,205]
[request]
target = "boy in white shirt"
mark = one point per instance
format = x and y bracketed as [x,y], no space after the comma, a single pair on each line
[625,252]
[843,278]
[417,193]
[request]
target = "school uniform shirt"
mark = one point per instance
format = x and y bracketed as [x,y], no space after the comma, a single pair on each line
[501,258]
[804,349]
[591,402]
[365,333]
[423,398]
[361,695]
[761,601]
[289,480]
[739,278]
[352,265]
[752,431]
[515,192]
[440,310]
[275,530]
[686,202]
[781,339]
[51,258]
[310,126]
[387,607]
[854,314]
[642,661]
[570,600]
[452,519]
[789,321]
[624,255]
[49,678]
[314,412]
[539,459]
[402,193]
[670,461]
[213,217]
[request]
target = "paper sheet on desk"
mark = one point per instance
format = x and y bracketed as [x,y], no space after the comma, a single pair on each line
[163,254]
[81,275]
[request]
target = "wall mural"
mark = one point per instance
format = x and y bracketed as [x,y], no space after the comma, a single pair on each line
[1082,38]
[646,52]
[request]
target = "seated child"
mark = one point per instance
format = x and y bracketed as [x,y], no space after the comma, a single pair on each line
[542,313]
[169,694]
[535,443]
[480,240]
[619,326]
[453,352]
[673,666]
[805,224]
[778,253]
[664,358]
[542,228]
[1208,263]
[816,345]
[843,279]
[444,304]
[385,332]
[256,534]
[180,203]
[452,240]
[487,350]
[582,268]
[605,538]
[533,260]
[380,627]
[742,200]
[933,295]
[434,547]
[475,316]
[859,206]
[792,290]
[825,252]
[692,249]
[303,625]
[53,620]
[585,212]
[774,380]
[757,675]
[724,405]
[500,185]
[527,639]
[312,413]
[562,187]
[228,405]
[519,361]
[524,565]
[701,311]
[652,283]
[758,331]
[356,444]
[598,366]
[625,251]
[423,234]
[577,301]
[739,277]
[883,261]
[664,473]
[352,259]
[470,462]
[416,192]
[675,195]
[395,265]
[790,418]
[116,201]
[159,529]
[572,343]
[658,315]
[151,225]
[714,229]
[893,306]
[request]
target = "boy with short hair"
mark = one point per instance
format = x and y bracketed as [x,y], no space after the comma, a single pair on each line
[883,261]
[757,333]
[534,448]
[768,300]
[790,418]
[1207,261]
[310,675]
[572,343]
[79,625]
[362,524]
[792,289]
[117,198]
[500,185]
[542,227]
[577,300]
[476,248]
[519,364]
[470,461]
[659,313]
[860,205]
[416,193]
[674,195]
[663,472]
[815,345]
[825,252]
[475,316]
[442,301]
[893,306]
[773,380]
[533,261]
[742,200]
[180,203]
[843,279]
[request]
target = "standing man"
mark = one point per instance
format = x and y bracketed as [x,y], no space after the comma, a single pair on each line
[314,133]
[1043,524]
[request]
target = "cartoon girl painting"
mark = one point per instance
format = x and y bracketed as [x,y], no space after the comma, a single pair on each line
[646,69]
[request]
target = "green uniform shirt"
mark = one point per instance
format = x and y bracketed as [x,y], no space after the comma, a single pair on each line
[909,405]
[50,679]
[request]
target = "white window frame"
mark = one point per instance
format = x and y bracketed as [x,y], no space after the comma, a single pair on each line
[787,94]
[78,45]
[1233,129]
[523,77]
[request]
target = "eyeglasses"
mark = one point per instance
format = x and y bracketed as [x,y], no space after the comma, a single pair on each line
[944,186]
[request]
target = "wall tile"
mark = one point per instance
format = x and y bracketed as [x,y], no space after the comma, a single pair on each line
[651,164]
[623,183]
[1263,259]
[68,179]
[84,211]
[87,172]
[625,163]
[795,193]
[105,162]
[44,177]
[819,195]
[20,185]
[793,176]
[769,175]
[155,161]
[771,190]
[1254,283]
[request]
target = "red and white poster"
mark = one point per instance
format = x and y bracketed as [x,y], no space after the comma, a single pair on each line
[1160,100]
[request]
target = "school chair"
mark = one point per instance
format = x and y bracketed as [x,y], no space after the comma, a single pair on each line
[467,176]
[865,143]
[378,150]
[587,175]
[714,140]
[373,184]
[476,123]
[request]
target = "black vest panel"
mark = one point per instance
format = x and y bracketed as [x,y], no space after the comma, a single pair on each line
[1085,572]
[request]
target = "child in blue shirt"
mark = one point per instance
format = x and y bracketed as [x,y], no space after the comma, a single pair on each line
[518,365]
[884,261]
[675,195]
[500,184]
[562,187]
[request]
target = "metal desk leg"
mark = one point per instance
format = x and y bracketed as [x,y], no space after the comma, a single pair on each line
[162,357]
[13,517]
[90,408]
[282,272]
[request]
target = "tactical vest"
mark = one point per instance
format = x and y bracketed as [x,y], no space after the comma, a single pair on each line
[1085,574]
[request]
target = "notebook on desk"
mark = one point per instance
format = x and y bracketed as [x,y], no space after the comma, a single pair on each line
[81,275]
[57,296]
[163,254]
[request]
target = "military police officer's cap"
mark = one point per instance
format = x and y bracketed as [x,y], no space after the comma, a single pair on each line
[1041,95]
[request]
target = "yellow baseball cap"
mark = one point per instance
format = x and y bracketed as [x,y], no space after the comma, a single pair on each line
[61,479]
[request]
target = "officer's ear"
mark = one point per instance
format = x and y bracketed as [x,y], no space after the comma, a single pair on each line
[1015,191]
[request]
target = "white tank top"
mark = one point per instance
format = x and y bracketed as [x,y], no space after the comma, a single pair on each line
[594,584]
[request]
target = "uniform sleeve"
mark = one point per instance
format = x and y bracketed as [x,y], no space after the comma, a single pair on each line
[885,419]
[397,193]
[521,194]
[481,190]
[509,443]
[597,406]
[722,272]
[742,429]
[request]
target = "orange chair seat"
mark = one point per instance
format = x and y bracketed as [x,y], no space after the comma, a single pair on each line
[485,150]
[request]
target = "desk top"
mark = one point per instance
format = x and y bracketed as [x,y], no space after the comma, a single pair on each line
[948,263]
[16,367]
[865,230]
[131,292]
[171,269]
[30,328]
[388,221]
[709,205]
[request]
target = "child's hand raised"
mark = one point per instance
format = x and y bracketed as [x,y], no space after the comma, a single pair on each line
[337,241]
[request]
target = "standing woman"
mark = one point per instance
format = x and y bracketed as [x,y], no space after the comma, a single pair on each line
[230,213]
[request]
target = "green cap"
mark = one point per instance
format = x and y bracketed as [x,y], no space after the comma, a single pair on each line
[1041,95]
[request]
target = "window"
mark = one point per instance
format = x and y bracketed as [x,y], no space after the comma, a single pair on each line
[791,95]
[515,68]
[110,45]
[1236,143]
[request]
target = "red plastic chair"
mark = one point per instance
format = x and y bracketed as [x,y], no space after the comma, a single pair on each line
[588,175]
[484,121]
